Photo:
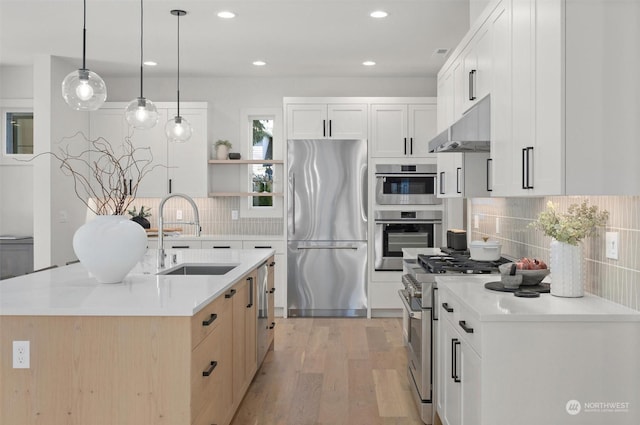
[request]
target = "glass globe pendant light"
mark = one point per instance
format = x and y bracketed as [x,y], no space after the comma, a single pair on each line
[141,113]
[84,90]
[178,128]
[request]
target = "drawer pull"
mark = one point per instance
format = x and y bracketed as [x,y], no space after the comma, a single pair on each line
[180,246]
[273,325]
[209,371]
[230,294]
[273,263]
[222,247]
[211,320]
[446,307]
[463,325]
[262,246]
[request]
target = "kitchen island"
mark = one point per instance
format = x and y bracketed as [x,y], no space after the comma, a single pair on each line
[154,349]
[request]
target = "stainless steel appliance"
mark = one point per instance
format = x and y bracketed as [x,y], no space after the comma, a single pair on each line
[395,230]
[327,228]
[263,311]
[398,184]
[471,133]
[420,300]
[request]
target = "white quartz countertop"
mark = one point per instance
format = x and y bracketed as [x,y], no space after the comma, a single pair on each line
[71,291]
[487,305]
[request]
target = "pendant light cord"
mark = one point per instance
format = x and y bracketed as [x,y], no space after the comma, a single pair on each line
[84,34]
[141,45]
[178,64]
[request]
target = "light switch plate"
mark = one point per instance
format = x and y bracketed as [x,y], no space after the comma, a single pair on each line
[476,221]
[611,241]
[179,215]
[497,224]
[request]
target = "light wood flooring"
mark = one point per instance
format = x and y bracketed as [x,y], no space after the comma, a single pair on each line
[332,372]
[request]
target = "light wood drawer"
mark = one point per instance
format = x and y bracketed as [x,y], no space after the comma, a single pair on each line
[206,359]
[208,319]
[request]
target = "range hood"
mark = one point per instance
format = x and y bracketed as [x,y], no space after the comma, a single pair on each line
[471,133]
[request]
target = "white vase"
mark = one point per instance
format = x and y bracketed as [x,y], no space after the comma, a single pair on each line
[109,246]
[222,152]
[567,270]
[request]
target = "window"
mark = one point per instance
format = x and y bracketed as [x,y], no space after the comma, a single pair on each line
[262,174]
[18,131]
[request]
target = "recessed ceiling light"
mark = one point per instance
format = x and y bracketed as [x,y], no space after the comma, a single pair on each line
[379,14]
[368,63]
[259,63]
[150,63]
[225,14]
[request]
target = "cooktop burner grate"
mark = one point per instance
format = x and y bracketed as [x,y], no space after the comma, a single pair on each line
[458,263]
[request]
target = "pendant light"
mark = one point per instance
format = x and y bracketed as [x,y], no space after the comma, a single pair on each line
[141,113]
[84,90]
[178,129]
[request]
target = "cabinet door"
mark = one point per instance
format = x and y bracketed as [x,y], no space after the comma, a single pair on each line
[450,352]
[306,121]
[470,385]
[422,128]
[280,283]
[347,121]
[484,62]
[389,130]
[459,89]
[450,175]
[271,319]
[239,299]
[188,161]
[250,329]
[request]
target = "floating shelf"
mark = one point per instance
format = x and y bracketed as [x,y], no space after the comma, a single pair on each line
[215,194]
[246,161]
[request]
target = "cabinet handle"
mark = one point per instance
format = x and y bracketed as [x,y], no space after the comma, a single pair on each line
[405,145]
[441,182]
[273,325]
[221,247]
[169,185]
[130,187]
[262,246]
[529,167]
[434,304]
[330,128]
[272,290]
[447,308]
[472,84]
[463,325]
[230,294]
[180,246]
[411,145]
[458,171]
[209,370]
[489,160]
[454,360]
[273,263]
[324,128]
[250,284]
[212,318]
[524,168]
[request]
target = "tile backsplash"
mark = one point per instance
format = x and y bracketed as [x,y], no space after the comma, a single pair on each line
[508,219]
[215,217]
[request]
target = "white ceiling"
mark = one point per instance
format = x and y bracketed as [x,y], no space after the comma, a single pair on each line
[328,38]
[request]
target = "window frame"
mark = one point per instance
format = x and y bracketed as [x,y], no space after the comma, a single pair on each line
[14,106]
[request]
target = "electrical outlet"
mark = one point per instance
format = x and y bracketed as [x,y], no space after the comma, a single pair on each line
[179,215]
[476,221]
[234,214]
[611,241]
[21,354]
[497,224]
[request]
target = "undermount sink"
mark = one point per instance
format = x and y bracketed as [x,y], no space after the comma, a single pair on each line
[200,269]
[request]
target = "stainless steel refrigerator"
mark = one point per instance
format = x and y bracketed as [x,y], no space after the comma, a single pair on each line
[327,228]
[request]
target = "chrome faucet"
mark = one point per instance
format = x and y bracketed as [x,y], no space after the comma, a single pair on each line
[196,223]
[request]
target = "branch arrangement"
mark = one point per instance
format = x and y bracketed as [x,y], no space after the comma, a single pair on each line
[108,176]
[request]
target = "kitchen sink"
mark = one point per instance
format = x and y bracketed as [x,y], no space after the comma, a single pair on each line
[200,269]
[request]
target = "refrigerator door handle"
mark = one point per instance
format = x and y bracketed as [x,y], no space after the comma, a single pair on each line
[365,193]
[293,203]
[355,248]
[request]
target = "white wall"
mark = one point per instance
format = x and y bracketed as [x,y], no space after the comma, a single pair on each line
[475,9]
[16,82]
[57,211]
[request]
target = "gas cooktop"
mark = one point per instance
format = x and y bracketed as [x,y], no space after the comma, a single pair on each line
[458,263]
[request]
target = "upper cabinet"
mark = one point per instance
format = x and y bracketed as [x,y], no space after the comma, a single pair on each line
[458,175]
[400,130]
[562,102]
[327,121]
[174,167]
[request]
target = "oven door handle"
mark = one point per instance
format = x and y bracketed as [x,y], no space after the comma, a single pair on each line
[382,175]
[412,313]
[404,221]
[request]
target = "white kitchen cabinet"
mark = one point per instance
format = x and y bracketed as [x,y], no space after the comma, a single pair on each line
[496,352]
[327,121]
[463,175]
[177,167]
[401,131]
[477,63]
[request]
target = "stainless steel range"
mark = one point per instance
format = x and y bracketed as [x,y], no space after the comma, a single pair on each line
[420,300]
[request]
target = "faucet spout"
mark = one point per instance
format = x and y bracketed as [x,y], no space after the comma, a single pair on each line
[196,222]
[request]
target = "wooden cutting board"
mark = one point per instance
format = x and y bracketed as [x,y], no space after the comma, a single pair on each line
[166,229]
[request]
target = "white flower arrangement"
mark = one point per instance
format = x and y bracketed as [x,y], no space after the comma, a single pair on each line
[579,222]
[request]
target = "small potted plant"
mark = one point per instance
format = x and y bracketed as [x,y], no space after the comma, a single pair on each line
[140,217]
[222,149]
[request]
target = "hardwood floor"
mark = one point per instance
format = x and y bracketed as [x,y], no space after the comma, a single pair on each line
[332,372]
